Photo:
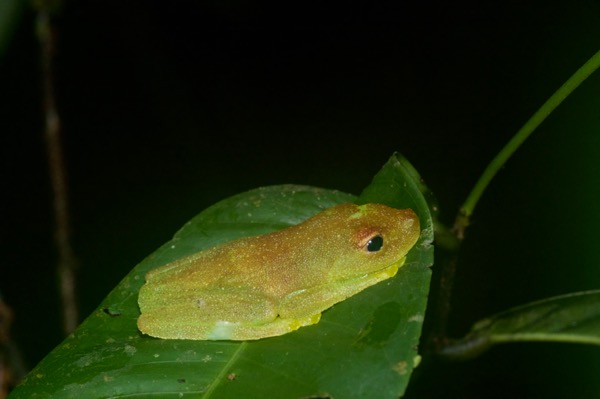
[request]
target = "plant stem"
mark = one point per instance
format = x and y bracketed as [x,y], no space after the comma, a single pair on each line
[67,260]
[462,220]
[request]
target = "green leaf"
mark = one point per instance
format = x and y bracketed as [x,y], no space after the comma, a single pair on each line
[573,318]
[364,346]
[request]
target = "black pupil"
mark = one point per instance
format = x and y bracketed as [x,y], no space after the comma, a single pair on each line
[375,244]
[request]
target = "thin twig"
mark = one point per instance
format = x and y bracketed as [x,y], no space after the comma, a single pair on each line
[52,131]
[462,220]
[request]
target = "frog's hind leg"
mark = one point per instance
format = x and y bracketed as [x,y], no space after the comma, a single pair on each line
[213,314]
[242,332]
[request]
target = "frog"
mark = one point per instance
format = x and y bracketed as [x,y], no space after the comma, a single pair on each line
[273,284]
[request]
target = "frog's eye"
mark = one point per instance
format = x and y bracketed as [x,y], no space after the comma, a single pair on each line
[374,244]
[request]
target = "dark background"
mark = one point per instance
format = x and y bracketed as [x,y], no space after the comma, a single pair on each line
[168,108]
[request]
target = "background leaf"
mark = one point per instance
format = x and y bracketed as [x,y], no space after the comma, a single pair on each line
[362,347]
[573,318]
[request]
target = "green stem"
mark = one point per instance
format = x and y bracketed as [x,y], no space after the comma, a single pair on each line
[554,101]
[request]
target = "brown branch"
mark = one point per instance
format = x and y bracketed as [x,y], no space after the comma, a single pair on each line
[58,175]
[12,368]
[447,245]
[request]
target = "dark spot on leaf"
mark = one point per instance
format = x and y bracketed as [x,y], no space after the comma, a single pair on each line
[111,313]
[181,380]
[378,330]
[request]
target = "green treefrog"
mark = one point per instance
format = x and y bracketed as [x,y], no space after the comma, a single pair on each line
[275,283]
